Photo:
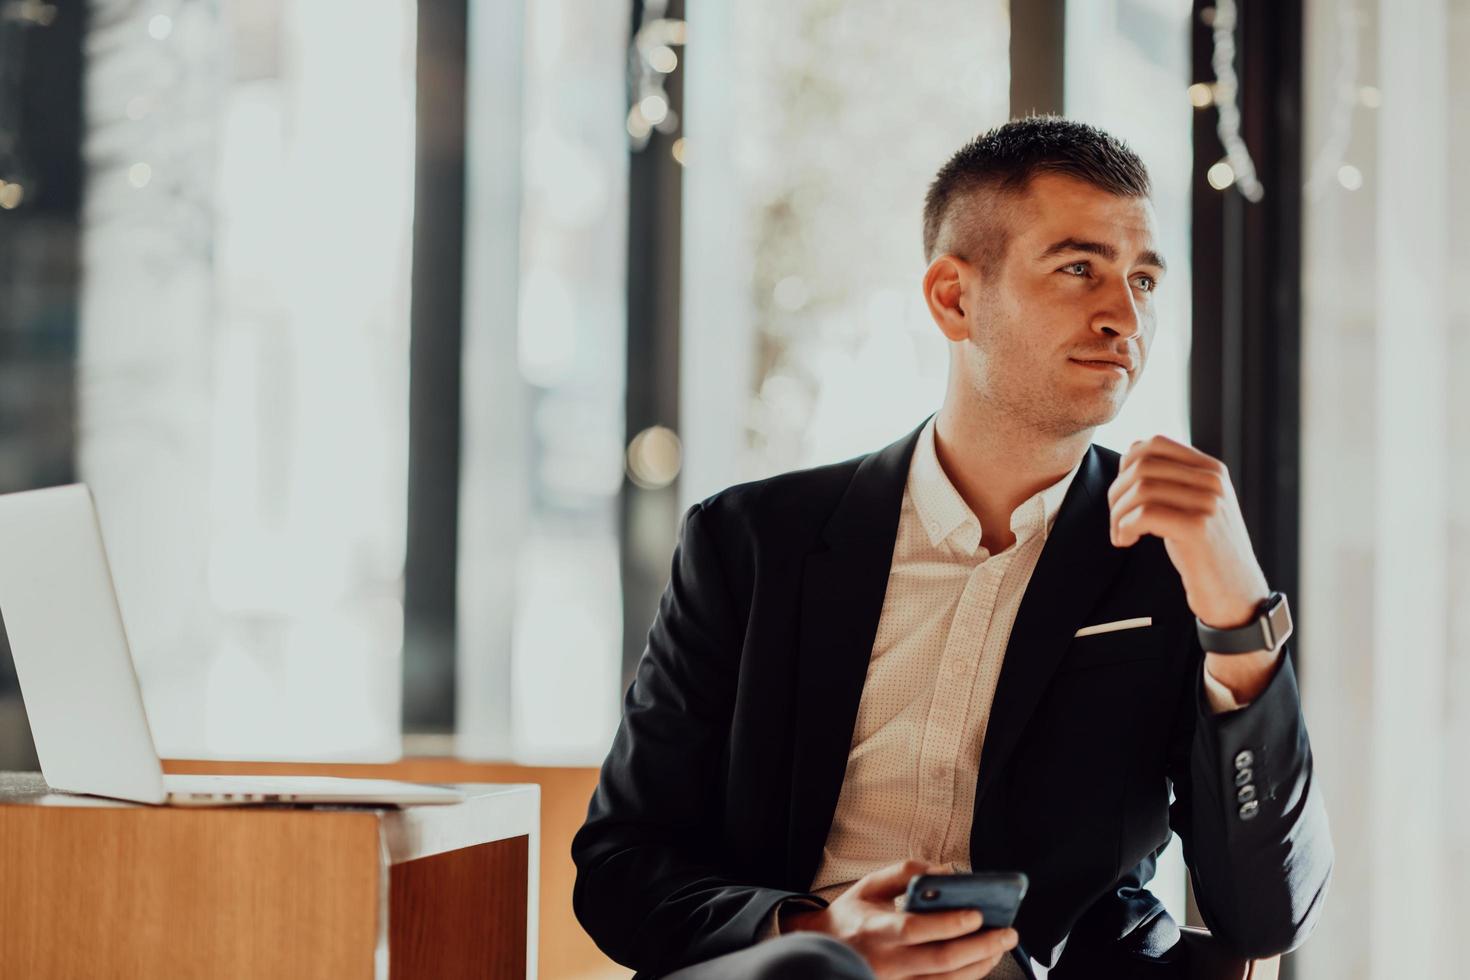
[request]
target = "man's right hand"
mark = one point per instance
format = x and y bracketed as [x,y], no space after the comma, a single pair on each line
[906,944]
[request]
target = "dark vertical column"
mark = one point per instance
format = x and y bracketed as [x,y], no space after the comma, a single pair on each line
[1038,56]
[1245,364]
[649,517]
[1271,252]
[41,129]
[434,369]
[1245,359]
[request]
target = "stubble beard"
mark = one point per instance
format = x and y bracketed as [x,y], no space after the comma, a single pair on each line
[1027,395]
[1042,408]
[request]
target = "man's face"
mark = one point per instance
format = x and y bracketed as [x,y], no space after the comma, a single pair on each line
[1073,292]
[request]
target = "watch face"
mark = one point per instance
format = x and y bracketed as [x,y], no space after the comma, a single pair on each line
[1278,615]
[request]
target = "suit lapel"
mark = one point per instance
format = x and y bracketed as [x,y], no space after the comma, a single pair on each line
[842,590]
[1076,566]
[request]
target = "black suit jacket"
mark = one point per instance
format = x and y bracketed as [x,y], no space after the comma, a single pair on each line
[719,790]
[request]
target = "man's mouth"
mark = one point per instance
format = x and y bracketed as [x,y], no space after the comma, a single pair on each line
[1122,368]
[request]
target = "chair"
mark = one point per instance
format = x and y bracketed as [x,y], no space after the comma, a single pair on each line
[1210,959]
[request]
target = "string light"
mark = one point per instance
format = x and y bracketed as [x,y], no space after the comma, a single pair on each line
[1221,175]
[655,108]
[678,151]
[1221,20]
[638,126]
[662,59]
[651,59]
[1350,176]
[160,26]
[654,458]
[11,194]
[1201,95]
[139,174]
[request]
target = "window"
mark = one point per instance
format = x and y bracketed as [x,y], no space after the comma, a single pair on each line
[540,626]
[814,130]
[239,354]
[1385,537]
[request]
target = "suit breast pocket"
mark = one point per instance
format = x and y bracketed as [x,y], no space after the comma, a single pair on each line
[1137,645]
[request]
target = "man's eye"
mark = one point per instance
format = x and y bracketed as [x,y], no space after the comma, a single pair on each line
[1082,266]
[1147,283]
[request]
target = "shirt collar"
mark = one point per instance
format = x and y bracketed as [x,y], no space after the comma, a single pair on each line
[944,513]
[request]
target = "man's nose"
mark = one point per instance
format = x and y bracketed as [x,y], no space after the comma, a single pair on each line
[1118,316]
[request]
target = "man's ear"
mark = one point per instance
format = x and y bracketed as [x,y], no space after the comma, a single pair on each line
[944,292]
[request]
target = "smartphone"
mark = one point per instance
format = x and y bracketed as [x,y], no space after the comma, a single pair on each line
[997,894]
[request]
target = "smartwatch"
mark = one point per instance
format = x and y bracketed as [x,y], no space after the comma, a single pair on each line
[1268,631]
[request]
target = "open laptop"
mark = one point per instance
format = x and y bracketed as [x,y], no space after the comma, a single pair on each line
[77,679]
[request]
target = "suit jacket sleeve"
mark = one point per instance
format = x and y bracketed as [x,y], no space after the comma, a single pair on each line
[1260,873]
[651,889]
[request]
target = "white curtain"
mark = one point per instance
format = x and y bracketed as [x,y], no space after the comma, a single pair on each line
[1385,516]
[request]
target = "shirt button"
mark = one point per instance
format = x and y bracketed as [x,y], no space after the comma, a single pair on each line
[1244,759]
[1242,777]
[1248,810]
[1245,794]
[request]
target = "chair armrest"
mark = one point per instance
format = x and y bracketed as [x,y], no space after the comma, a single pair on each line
[1210,959]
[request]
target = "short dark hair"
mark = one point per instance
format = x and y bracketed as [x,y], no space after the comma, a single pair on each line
[1005,160]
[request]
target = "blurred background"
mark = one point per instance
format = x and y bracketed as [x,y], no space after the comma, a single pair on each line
[394,337]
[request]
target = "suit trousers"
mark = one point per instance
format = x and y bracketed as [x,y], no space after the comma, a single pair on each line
[798,956]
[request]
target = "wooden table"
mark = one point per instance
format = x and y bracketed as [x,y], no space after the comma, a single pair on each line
[101,888]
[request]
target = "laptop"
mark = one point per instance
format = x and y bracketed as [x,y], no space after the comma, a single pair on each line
[76,673]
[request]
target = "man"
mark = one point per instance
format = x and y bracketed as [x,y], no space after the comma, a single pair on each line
[978,648]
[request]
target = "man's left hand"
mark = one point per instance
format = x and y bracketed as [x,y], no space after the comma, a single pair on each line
[1185,497]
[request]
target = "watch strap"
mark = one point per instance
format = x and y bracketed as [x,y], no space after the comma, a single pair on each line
[1268,631]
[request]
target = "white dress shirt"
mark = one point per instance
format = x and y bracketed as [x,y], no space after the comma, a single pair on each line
[909,787]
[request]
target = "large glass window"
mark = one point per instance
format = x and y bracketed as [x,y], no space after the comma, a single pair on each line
[1385,618]
[813,131]
[540,616]
[241,363]
[209,242]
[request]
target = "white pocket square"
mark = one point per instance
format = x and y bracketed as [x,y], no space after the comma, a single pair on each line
[1115,625]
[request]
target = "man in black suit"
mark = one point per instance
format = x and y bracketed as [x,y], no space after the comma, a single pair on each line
[982,647]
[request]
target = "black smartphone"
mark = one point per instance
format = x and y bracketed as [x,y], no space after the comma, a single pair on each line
[997,894]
